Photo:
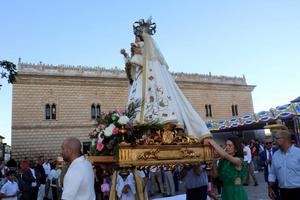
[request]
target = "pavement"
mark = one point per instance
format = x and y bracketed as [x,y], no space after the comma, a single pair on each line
[259,192]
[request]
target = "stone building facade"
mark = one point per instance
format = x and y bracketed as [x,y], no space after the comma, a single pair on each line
[51,103]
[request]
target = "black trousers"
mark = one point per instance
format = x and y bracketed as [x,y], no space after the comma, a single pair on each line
[54,193]
[289,194]
[276,190]
[199,193]
[30,194]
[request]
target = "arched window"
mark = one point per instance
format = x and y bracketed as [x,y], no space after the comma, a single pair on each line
[47,112]
[206,110]
[50,111]
[98,111]
[93,111]
[210,110]
[236,110]
[53,111]
[233,110]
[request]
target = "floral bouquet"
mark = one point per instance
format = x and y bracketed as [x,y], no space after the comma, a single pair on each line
[115,127]
[112,128]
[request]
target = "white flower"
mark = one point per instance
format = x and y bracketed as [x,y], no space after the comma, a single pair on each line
[108,131]
[123,120]
[112,126]
[93,142]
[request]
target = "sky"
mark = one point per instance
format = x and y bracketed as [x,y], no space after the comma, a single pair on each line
[258,39]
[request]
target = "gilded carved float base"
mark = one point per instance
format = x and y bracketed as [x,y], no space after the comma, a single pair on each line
[168,146]
[148,155]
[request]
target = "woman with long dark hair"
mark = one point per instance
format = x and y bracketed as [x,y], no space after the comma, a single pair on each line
[231,169]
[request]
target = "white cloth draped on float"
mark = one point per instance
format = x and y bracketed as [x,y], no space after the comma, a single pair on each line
[161,98]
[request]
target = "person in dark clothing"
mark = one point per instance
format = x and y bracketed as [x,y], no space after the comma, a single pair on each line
[175,178]
[41,178]
[29,184]
[12,164]
[35,183]
[53,178]
[97,184]
[266,161]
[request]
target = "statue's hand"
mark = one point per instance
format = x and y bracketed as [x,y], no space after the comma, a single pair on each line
[123,52]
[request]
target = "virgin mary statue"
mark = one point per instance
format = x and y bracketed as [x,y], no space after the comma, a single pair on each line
[153,85]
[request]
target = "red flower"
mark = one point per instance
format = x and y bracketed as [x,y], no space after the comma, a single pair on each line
[115,131]
[102,126]
[100,146]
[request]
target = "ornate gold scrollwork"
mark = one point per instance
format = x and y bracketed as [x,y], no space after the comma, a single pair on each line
[194,141]
[154,138]
[148,155]
[181,140]
[188,153]
[168,137]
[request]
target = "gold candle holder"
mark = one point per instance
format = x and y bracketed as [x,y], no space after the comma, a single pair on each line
[123,132]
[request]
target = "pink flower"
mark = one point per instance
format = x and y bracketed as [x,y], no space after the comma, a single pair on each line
[105,113]
[115,131]
[121,110]
[100,146]
[95,133]
[102,126]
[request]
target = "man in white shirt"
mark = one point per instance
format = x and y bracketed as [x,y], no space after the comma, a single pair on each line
[248,160]
[247,153]
[47,167]
[10,189]
[285,165]
[79,179]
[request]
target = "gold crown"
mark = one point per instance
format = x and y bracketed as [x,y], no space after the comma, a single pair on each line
[144,26]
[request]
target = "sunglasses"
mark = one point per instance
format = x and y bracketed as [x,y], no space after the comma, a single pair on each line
[268,143]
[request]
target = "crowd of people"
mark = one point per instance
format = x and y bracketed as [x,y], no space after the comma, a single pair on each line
[73,177]
[30,180]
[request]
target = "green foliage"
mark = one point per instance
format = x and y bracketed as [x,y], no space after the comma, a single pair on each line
[9,71]
[151,126]
[132,109]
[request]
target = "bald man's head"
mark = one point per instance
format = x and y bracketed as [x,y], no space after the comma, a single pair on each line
[74,144]
[71,149]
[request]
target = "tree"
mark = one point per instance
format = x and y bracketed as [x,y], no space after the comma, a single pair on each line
[9,71]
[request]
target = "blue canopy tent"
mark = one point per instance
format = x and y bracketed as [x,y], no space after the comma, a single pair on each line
[289,115]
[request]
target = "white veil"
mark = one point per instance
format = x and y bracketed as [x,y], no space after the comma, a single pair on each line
[151,50]
[179,108]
